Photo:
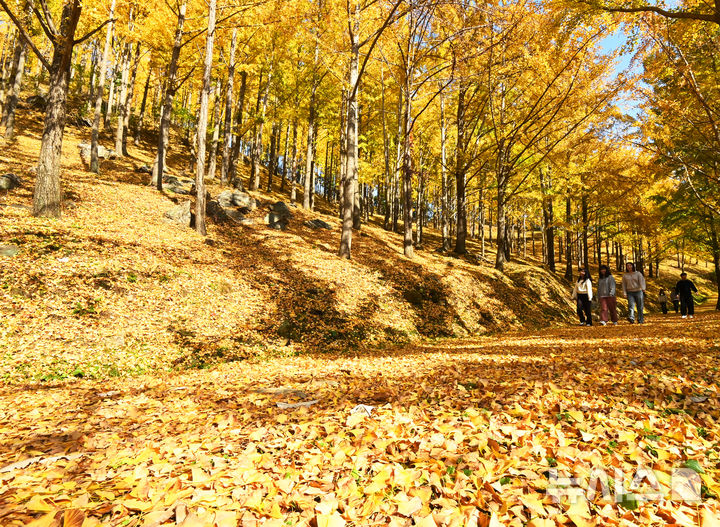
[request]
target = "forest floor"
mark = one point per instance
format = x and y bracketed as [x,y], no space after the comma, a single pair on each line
[150,376]
[466,432]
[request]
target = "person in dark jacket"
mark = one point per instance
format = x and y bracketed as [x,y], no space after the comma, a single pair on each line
[685,288]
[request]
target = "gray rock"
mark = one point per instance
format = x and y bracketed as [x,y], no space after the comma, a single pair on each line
[281,209]
[318,224]
[9,250]
[180,214]
[178,185]
[275,221]
[9,182]
[144,169]
[103,153]
[229,198]
[220,214]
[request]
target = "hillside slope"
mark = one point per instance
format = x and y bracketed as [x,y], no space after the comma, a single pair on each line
[113,287]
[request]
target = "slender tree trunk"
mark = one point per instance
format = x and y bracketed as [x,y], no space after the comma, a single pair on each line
[460,184]
[129,99]
[351,168]
[171,88]
[715,247]
[285,158]
[293,162]
[95,134]
[407,176]
[16,79]
[122,100]
[273,162]
[212,163]
[342,147]
[444,198]
[585,245]
[202,123]
[397,173]
[237,136]
[141,117]
[501,256]
[227,143]
[386,153]
[257,150]
[568,240]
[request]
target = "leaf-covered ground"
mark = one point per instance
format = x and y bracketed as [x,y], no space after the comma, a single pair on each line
[462,433]
[113,289]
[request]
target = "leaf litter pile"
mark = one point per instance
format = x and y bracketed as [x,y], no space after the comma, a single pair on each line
[462,432]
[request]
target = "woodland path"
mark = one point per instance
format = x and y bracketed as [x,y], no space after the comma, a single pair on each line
[463,432]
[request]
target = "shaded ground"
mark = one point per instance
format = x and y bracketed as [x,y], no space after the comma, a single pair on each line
[464,433]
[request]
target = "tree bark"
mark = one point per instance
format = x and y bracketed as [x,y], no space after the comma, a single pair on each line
[444,199]
[257,149]
[47,197]
[141,117]
[351,165]
[568,241]
[16,78]
[212,163]
[460,182]
[227,143]
[122,100]
[164,131]
[235,156]
[200,226]
[95,134]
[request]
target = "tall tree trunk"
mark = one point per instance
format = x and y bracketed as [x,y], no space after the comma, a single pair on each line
[260,109]
[342,148]
[202,123]
[386,153]
[309,152]
[285,158]
[95,134]
[16,78]
[143,104]
[444,198]
[568,240]
[227,143]
[715,247]
[129,99]
[585,220]
[501,256]
[273,162]
[212,163]
[397,173]
[235,155]
[407,169]
[47,195]
[548,220]
[171,88]
[293,162]
[122,99]
[460,177]
[351,162]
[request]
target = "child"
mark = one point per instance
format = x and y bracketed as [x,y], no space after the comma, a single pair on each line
[662,298]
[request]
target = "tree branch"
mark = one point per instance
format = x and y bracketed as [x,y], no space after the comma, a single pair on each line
[25,35]
[91,33]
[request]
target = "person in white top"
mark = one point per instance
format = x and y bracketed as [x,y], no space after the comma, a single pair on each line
[582,294]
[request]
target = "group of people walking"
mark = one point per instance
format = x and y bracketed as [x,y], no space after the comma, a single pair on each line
[633,287]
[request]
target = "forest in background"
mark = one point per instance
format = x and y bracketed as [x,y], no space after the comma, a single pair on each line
[503,121]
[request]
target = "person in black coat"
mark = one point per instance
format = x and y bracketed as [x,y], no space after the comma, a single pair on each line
[684,289]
